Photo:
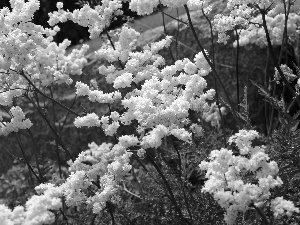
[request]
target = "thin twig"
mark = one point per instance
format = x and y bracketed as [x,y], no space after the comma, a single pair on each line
[262,215]
[46,96]
[111,213]
[179,20]
[177,36]
[263,13]
[173,200]
[113,46]
[166,33]
[93,219]
[211,65]
[52,129]
[120,63]
[137,181]
[36,158]
[182,183]
[237,70]
[129,192]
[65,120]
[25,158]
[215,79]
[56,143]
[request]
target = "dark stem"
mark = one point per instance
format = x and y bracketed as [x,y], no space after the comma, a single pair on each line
[177,35]
[46,96]
[266,85]
[172,197]
[119,61]
[25,158]
[215,79]
[165,30]
[52,129]
[182,184]
[113,46]
[211,65]
[137,181]
[68,113]
[262,215]
[36,158]
[272,112]
[56,142]
[237,70]
[179,20]
[62,212]
[93,220]
[144,167]
[284,36]
[109,206]
[263,13]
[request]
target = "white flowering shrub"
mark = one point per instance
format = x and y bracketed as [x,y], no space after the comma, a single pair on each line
[244,181]
[248,18]
[108,162]
[17,122]
[150,126]
[160,103]
[37,210]
[96,19]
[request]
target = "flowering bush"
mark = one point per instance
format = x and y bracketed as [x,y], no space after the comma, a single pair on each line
[240,182]
[162,120]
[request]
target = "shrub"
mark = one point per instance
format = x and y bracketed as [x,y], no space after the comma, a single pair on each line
[152,132]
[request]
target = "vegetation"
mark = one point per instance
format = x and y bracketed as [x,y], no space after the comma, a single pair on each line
[199,125]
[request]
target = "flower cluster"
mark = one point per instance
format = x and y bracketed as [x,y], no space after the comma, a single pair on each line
[19,37]
[196,130]
[37,210]
[287,72]
[214,115]
[282,207]
[120,51]
[162,100]
[255,34]
[101,168]
[224,23]
[7,94]
[29,55]
[96,95]
[239,182]
[246,17]
[51,65]
[165,95]
[17,122]
[96,19]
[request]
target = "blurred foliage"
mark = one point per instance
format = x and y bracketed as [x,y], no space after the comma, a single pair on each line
[16,185]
